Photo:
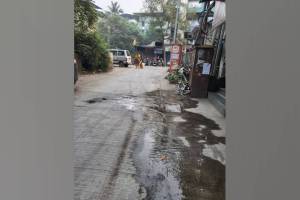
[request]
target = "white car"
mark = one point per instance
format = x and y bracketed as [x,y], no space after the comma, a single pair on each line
[121,57]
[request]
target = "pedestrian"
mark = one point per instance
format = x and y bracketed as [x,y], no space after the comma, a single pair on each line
[141,65]
[137,60]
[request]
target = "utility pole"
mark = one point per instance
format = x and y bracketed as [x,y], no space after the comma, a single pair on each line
[176,21]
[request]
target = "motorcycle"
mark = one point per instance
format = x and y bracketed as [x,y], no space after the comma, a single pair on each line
[183,87]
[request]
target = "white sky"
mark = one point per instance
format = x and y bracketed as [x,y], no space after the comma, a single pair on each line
[128,6]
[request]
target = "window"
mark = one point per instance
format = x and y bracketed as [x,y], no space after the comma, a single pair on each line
[128,53]
[121,53]
[114,53]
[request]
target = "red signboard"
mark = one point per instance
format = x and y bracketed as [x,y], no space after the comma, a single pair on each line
[176,54]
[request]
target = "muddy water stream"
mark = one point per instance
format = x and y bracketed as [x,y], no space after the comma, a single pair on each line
[176,155]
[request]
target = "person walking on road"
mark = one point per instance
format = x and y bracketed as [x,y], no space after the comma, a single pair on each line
[138,61]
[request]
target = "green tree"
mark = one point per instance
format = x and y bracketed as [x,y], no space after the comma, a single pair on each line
[115,8]
[89,46]
[162,25]
[92,51]
[154,32]
[119,32]
[85,15]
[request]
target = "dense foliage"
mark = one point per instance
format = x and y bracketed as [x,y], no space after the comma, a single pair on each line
[119,32]
[173,77]
[162,27]
[89,46]
[92,51]
[154,33]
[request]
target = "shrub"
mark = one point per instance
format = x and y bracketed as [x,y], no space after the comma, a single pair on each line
[173,77]
[92,51]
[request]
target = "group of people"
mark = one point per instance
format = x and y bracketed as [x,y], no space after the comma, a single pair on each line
[138,61]
[155,61]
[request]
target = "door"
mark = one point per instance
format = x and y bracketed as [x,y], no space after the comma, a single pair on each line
[115,56]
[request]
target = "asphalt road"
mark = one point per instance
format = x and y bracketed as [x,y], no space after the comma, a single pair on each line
[134,138]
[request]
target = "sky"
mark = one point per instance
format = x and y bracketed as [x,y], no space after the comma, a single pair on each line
[129,6]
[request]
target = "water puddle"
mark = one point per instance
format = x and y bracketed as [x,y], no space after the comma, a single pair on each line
[215,152]
[201,141]
[178,156]
[175,108]
[178,119]
[128,103]
[184,141]
[156,170]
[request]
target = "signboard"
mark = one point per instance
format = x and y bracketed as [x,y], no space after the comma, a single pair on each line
[174,64]
[206,68]
[175,49]
[176,52]
[174,56]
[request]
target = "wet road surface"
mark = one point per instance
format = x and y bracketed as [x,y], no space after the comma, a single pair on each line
[134,138]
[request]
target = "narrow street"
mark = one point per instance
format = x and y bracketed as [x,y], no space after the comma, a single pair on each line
[135,138]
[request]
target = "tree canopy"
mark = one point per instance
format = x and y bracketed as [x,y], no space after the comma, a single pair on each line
[85,15]
[89,46]
[115,8]
[163,26]
[119,32]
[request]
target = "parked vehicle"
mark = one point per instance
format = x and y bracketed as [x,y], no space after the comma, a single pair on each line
[157,61]
[147,61]
[121,57]
[160,62]
[154,62]
[183,86]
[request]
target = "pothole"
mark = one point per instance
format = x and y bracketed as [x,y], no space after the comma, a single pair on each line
[96,100]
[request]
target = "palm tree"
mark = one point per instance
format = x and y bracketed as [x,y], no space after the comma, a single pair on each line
[115,8]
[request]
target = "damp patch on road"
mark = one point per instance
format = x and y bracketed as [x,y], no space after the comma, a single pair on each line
[127,101]
[178,119]
[173,108]
[201,141]
[177,156]
[216,152]
[155,167]
[184,141]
